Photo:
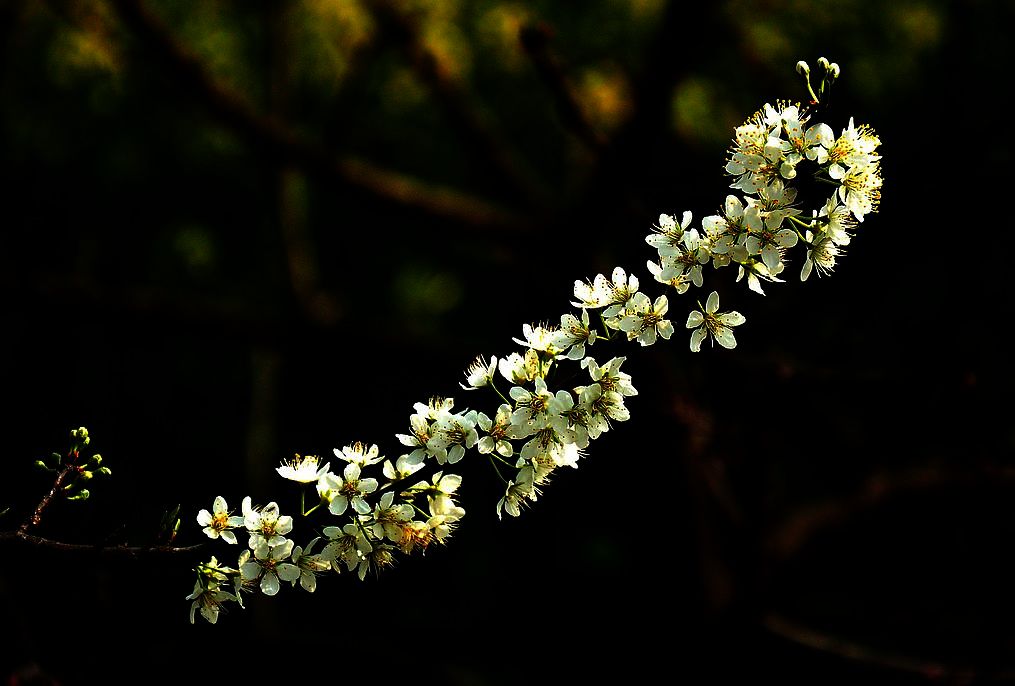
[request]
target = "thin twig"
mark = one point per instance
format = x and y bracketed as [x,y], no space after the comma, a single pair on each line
[479,136]
[842,647]
[132,551]
[47,499]
[535,38]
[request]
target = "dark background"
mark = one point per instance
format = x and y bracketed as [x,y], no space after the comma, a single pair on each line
[234,231]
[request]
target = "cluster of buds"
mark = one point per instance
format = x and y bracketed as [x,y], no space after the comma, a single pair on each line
[74,471]
[542,419]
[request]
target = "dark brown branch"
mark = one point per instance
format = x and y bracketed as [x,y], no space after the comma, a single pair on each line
[466,117]
[535,38]
[279,142]
[130,551]
[440,201]
[795,531]
[317,303]
[47,499]
[869,655]
[22,535]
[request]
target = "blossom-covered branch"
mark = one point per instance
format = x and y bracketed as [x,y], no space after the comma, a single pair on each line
[361,516]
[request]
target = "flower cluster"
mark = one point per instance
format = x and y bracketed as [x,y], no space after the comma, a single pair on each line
[367,532]
[545,415]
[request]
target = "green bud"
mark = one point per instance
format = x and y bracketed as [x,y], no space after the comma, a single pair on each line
[80,495]
[802,68]
[81,435]
[43,466]
[85,475]
[833,71]
[823,63]
[105,470]
[95,460]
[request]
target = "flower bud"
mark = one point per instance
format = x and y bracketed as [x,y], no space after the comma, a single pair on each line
[80,495]
[823,63]
[833,71]
[802,68]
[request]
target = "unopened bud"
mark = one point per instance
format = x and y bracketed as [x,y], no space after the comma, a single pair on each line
[105,471]
[43,466]
[802,68]
[823,63]
[833,70]
[80,495]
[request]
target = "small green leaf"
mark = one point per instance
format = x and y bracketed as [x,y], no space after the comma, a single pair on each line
[80,495]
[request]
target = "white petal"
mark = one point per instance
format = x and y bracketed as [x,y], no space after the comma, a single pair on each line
[733,318]
[697,336]
[694,319]
[726,338]
[269,584]
[630,323]
[733,207]
[712,304]
[786,238]
[771,257]
[648,336]
[449,483]
[288,572]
